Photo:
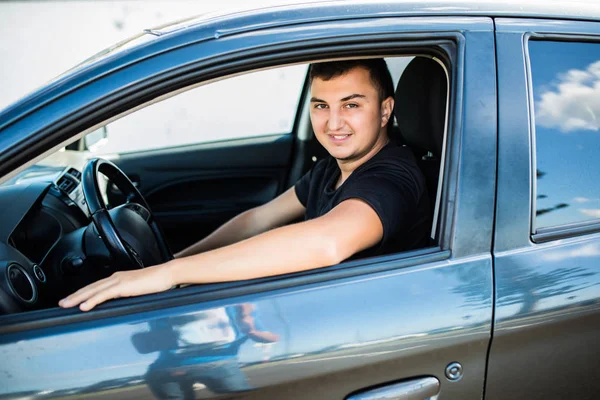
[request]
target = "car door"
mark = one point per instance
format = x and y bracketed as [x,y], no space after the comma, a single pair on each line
[413,322]
[547,246]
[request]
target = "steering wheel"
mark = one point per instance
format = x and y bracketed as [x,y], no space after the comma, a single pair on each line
[129,231]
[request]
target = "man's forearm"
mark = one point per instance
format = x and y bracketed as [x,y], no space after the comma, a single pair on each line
[284,209]
[241,227]
[284,250]
[263,337]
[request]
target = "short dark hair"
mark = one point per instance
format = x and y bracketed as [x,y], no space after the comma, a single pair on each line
[377,68]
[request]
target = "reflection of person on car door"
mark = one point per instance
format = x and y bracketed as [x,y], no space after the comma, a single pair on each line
[200,350]
[368,198]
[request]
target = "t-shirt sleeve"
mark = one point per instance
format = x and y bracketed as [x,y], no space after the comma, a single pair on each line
[393,195]
[302,188]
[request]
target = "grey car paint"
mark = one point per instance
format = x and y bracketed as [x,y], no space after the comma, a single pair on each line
[547,316]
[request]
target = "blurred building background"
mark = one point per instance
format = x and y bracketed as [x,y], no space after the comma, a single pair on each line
[41,39]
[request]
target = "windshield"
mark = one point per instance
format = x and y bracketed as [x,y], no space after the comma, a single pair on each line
[50,167]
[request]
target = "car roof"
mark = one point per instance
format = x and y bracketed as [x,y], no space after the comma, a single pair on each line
[314,11]
[249,18]
[243,20]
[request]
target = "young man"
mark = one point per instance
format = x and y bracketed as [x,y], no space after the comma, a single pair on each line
[368,198]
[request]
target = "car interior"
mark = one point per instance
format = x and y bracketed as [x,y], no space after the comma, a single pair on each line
[78,216]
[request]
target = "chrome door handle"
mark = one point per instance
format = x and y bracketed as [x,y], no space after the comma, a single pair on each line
[417,389]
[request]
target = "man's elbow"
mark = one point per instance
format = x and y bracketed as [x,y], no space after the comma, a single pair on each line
[333,251]
[337,248]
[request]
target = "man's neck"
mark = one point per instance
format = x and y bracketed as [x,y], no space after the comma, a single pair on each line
[349,166]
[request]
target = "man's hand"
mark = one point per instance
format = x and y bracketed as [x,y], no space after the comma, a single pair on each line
[121,284]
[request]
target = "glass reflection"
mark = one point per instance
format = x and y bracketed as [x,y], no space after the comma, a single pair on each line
[566,90]
[200,350]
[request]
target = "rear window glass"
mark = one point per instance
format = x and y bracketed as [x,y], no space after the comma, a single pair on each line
[566,98]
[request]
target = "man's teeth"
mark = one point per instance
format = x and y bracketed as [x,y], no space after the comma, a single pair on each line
[339,137]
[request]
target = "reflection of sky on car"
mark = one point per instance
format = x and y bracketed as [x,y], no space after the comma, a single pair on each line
[566,90]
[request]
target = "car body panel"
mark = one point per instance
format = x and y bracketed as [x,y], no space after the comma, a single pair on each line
[346,335]
[547,294]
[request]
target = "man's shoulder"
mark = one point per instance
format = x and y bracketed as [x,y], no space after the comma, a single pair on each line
[323,166]
[393,158]
[394,167]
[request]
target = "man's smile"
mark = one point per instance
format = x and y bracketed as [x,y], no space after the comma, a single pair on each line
[339,137]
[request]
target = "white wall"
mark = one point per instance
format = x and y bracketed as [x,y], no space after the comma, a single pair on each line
[41,39]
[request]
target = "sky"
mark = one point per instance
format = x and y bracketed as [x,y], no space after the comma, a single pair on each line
[566,90]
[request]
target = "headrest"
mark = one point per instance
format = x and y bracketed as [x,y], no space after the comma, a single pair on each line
[420,105]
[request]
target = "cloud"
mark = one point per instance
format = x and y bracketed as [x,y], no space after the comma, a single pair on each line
[572,103]
[588,250]
[591,212]
[583,200]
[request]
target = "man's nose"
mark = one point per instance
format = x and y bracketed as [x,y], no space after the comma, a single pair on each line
[336,121]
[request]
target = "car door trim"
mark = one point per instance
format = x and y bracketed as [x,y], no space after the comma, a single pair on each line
[202,293]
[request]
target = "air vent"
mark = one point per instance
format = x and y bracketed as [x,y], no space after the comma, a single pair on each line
[75,173]
[69,180]
[66,183]
[21,283]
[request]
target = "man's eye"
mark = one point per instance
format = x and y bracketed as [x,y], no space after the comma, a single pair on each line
[351,105]
[320,106]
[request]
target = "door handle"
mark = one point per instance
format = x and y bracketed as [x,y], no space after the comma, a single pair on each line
[417,389]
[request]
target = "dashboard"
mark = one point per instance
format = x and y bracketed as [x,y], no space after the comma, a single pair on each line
[49,246]
[39,209]
[62,209]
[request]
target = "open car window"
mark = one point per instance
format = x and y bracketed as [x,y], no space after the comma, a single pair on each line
[258,103]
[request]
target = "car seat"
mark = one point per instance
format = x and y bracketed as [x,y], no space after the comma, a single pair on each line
[420,110]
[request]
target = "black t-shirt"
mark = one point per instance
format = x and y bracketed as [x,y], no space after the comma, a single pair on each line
[390,182]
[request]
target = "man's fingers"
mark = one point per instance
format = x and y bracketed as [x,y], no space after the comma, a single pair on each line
[86,292]
[119,284]
[101,296]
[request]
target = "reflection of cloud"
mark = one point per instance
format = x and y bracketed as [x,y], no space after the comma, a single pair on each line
[590,250]
[574,103]
[583,200]
[591,212]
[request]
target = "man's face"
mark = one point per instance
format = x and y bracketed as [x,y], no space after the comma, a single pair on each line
[347,115]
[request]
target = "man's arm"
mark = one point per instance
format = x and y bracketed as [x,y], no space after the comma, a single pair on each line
[247,324]
[284,209]
[350,227]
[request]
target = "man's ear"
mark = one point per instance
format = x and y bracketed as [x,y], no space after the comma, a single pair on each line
[387,108]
